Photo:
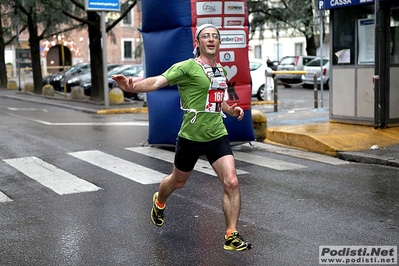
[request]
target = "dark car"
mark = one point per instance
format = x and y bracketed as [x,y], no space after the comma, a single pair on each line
[77,79]
[55,79]
[134,95]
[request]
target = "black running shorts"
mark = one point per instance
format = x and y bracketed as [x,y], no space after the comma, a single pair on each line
[188,152]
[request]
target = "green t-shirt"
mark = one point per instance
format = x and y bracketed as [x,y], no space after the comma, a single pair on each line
[193,85]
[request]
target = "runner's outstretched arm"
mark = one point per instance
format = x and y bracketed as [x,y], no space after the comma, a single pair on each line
[145,85]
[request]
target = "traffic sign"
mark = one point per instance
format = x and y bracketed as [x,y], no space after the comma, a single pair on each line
[103,5]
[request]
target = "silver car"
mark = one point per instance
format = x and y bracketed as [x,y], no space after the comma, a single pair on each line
[313,68]
[292,63]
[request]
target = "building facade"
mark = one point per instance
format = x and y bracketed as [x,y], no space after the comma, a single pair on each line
[124,44]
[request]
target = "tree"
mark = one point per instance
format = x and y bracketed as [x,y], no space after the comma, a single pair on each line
[45,18]
[41,19]
[93,21]
[7,35]
[290,15]
[4,32]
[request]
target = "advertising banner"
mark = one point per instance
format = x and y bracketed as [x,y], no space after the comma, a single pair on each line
[168,31]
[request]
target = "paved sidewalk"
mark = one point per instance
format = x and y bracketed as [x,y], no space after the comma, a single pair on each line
[308,129]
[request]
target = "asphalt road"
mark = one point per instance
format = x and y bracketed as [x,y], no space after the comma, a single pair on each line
[292,201]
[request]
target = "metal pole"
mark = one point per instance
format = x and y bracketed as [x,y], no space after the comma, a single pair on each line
[104,53]
[17,57]
[277,39]
[275,95]
[315,90]
[377,64]
[321,58]
[265,86]
[63,66]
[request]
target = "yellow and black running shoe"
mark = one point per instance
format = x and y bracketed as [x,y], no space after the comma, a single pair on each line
[156,212]
[236,242]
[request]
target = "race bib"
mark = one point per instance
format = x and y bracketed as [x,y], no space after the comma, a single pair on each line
[216,96]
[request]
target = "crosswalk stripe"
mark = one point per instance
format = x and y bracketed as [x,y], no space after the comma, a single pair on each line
[266,162]
[132,171]
[201,166]
[56,179]
[4,198]
[317,157]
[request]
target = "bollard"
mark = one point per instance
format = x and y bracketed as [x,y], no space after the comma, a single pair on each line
[12,85]
[267,91]
[29,86]
[77,92]
[116,96]
[259,122]
[315,90]
[48,90]
[275,95]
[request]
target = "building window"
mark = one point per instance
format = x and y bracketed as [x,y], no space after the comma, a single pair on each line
[277,51]
[344,36]
[128,19]
[258,52]
[127,49]
[298,48]
[394,36]
[345,41]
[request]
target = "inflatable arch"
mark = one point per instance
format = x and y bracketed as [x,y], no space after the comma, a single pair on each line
[168,31]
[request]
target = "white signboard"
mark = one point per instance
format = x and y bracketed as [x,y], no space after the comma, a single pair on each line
[366,40]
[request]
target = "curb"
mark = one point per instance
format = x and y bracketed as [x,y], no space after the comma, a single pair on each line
[133,110]
[368,159]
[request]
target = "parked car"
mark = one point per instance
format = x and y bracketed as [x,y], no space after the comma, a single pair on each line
[292,63]
[126,70]
[257,68]
[84,80]
[55,79]
[313,68]
[134,95]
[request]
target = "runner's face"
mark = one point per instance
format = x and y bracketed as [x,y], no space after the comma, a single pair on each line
[209,42]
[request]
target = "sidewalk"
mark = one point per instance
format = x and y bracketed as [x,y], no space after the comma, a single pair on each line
[309,129]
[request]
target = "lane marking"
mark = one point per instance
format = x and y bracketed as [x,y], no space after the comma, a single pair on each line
[4,198]
[48,175]
[130,123]
[266,162]
[27,109]
[133,123]
[132,171]
[202,166]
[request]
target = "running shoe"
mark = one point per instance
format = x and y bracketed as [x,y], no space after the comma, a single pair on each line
[156,212]
[236,242]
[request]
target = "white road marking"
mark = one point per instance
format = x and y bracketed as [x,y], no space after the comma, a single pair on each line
[4,198]
[132,123]
[297,153]
[132,171]
[266,162]
[27,109]
[164,155]
[56,179]
[129,123]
